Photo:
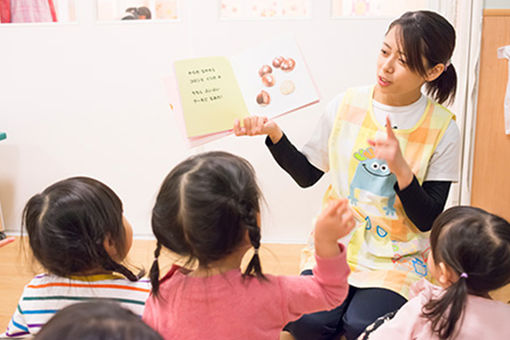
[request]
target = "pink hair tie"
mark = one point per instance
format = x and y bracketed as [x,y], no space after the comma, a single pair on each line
[464,275]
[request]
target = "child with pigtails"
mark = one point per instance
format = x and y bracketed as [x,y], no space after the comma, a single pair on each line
[207,210]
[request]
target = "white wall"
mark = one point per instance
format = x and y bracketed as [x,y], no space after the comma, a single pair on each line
[497,4]
[87,99]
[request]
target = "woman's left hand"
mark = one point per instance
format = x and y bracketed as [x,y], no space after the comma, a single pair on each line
[388,149]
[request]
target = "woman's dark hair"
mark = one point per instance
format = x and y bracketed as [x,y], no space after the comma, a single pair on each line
[476,246]
[68,222]
[427,36]
[203,210]
[97,320]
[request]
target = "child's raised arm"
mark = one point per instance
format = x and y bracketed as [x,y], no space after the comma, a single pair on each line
[257,125]
[327,287]
[334,222]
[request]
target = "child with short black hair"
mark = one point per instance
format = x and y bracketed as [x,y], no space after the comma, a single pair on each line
[208,210]
[470,257]
[97,320]
[77,232]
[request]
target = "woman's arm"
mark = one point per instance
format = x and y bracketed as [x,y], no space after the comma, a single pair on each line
[286,155]
[294,162]
[423,203]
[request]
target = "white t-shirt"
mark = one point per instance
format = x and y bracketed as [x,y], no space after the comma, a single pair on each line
[444,163]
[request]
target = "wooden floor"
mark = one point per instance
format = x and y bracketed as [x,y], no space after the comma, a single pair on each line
[17,267]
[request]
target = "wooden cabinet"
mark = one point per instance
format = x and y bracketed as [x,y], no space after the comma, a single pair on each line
[491,162]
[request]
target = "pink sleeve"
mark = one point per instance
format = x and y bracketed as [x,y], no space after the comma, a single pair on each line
[325,289]
[149,314]
[404,324]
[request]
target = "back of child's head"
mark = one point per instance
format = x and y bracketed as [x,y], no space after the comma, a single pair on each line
[475,245]
[428,36]
[205,208]
[96,321]
[144,12]
[68,223]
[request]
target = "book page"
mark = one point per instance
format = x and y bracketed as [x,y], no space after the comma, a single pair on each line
[172,94]
[210,96]
[274,78]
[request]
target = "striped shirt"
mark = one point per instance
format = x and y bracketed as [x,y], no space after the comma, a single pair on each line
[46,294]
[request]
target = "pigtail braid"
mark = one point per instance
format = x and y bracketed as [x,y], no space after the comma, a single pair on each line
[254,267]
[154,271]
[446,311]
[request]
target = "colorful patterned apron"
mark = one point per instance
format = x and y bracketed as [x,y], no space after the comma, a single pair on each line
[386,250]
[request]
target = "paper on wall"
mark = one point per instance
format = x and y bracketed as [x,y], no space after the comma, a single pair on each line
[504,53]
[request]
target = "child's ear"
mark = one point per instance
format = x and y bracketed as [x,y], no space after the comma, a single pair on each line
[434,72]
[446,275]
[109,246]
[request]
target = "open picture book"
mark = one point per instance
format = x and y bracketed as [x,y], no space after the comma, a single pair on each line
[208,94]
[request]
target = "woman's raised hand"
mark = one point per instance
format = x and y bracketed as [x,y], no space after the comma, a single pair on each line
[388,149]
[257,125]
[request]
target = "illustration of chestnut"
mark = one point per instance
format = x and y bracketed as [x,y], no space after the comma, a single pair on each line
[278,61]
[263,98]
[265,70]
[288,65]
[268,80]
[287,87]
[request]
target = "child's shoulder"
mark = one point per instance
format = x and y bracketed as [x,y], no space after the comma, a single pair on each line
[113,281]
[425,289]
[43,279]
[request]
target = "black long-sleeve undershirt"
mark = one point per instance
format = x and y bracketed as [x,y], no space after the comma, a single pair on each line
[422,203]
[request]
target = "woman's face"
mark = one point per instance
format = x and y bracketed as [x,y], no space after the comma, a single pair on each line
[396,83]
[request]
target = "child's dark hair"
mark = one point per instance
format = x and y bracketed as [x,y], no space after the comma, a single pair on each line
[96,320]
[476,246]
[133,13]
[67,225]
[427,35]
[144,11]
[204,208]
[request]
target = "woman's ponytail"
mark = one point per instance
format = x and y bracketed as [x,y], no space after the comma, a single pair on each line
[154,271]
[444,87]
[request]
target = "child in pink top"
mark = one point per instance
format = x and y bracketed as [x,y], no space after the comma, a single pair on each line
[470,257]
[23,11]
[207,210]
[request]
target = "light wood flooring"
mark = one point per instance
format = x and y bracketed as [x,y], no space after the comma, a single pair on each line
[17,269]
